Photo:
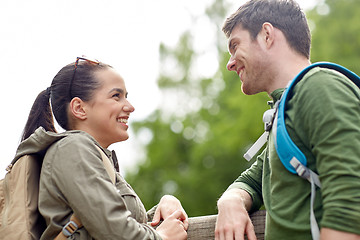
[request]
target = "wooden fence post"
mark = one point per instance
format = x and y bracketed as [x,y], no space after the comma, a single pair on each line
[203,227]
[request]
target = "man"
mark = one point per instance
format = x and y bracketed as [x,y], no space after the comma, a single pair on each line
[269,44]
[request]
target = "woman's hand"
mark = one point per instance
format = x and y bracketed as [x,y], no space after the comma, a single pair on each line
[173,227]
[167,206]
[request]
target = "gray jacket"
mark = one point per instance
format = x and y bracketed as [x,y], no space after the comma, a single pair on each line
[73,179]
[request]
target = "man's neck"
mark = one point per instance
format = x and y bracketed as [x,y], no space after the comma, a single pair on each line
[286,71]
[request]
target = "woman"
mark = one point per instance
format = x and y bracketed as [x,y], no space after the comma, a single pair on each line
[89,100]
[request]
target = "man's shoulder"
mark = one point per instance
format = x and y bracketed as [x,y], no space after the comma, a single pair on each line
[324,78]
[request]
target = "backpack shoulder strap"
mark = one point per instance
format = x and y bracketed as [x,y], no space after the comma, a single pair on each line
[285,147]
[74,224]
[107,164]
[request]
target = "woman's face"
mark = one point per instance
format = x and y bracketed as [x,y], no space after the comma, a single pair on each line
[109,110]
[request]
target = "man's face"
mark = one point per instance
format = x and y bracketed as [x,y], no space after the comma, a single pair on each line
[247,59]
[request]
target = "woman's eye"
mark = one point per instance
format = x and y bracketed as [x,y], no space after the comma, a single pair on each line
[116,95]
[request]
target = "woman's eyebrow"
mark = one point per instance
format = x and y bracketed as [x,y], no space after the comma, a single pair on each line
[120,90]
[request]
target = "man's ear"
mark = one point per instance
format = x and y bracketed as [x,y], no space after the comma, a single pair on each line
[268,34]
[77,108]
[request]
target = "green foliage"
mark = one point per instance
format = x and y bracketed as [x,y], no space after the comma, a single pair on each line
[196,152]
[336,35]
[206,124]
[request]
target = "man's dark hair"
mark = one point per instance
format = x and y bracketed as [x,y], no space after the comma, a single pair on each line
[285,15]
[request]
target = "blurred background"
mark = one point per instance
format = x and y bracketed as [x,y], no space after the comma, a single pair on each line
[192,123]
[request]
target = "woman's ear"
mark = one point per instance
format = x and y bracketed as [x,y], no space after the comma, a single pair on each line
[77,108]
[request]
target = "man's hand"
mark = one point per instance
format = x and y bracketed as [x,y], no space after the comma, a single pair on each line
[233,221]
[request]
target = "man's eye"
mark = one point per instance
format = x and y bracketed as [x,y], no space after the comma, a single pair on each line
[234,46]
[116,95]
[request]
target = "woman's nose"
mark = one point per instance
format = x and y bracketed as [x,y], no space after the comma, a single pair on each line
[231,64]
[128,107]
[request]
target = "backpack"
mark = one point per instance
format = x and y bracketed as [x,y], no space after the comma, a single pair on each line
[19,191]
[290,155]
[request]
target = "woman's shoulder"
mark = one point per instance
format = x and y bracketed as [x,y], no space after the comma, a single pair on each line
[76,145]
[76,139]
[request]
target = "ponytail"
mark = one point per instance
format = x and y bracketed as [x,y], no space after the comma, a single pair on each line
[40,115]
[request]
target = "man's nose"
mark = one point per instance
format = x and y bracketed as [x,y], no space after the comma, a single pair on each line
[231,64]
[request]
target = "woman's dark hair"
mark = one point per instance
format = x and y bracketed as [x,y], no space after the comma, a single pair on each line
[67,84]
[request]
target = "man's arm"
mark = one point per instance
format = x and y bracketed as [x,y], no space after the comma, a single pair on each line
[332,133]
[331,234]
[233,221]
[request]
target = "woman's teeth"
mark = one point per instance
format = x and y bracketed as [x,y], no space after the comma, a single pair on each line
[122,120]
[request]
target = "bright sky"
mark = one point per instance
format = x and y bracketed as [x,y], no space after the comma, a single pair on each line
[39,37]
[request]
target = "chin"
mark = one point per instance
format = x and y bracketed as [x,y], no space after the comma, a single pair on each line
[249,91]
[245,90]
[124,138]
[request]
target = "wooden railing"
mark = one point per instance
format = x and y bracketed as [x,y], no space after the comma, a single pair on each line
[203,228]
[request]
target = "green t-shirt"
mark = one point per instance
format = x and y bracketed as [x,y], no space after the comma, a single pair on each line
[322,119]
